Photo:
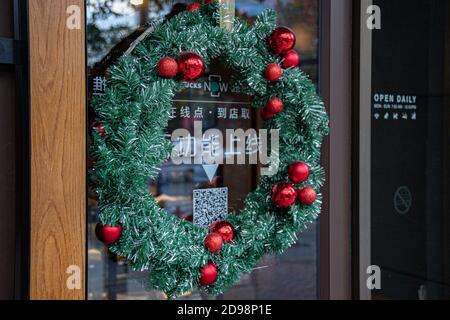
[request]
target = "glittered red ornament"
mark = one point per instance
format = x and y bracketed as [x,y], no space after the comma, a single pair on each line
[284,195]
[101,129]
[282,39]
[266,115]
[225,229]
[108,234]
[213,242]
[193,6]
[190,66]
[291,59]
[208,274]
[273,72]
[274,106]
[307,196]
[167,68]
[299,172]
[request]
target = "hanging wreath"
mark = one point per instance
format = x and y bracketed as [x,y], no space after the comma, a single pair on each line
[129,146]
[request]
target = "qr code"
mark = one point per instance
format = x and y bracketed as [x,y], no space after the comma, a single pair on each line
[209,206]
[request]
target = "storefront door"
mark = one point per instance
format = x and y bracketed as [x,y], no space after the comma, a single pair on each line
[67,261]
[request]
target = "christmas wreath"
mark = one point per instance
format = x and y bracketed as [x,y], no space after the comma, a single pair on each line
[130,144]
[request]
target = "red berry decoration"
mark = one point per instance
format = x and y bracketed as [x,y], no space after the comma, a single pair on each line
[208,274]
[307,196]
[167,68]
[273,72]
[299,172]
[193,6]
[284,195]
[108,234]
[266,115]
[291,59]
[190,66]
[224,229]
[213,242]
[282,40]
[274,106]
[101,129]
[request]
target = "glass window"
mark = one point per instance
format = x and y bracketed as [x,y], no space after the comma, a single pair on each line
[410,229]
[112,27]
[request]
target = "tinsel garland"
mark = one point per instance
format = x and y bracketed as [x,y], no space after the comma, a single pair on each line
[134,112]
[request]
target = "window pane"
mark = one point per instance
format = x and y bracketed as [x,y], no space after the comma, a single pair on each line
[410,149]
[112,27]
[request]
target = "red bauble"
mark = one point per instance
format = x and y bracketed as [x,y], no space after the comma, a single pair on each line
[224,229]
[273,72]
[282,39]
[284,195]
[299,172]
[190,66]
[108,234]
[208,274]
[307,196]
[213,242]
[167,68]
[266,115]
[101,130]
[193,6]
[291,59]
[274,106]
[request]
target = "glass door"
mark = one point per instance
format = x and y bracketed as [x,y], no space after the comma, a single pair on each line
[112,26]
[404,151]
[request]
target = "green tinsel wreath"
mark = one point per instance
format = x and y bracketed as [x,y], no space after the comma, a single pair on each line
[130,148]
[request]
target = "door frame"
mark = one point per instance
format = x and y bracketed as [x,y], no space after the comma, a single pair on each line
[57,154]
[58,169]
[335,86]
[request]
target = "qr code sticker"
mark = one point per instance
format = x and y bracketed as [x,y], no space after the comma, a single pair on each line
[209,206]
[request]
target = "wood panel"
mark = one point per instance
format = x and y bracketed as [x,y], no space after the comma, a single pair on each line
[58,149]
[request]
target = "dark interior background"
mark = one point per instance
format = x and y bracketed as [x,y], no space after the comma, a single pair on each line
[411,57]
[7,161]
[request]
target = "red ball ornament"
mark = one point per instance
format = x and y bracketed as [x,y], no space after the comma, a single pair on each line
[266,115]
[167,68]
[273,72]
[291,59]
[274,106]
[213,242]
[101,129]
[282,39]
[224,229]
[108,234]
[208,274]
[299,172]
[190,66]
[307,196]
[284,195]
[193,6]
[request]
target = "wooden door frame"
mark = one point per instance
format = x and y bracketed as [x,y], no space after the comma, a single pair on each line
[57,100]
[58,149]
